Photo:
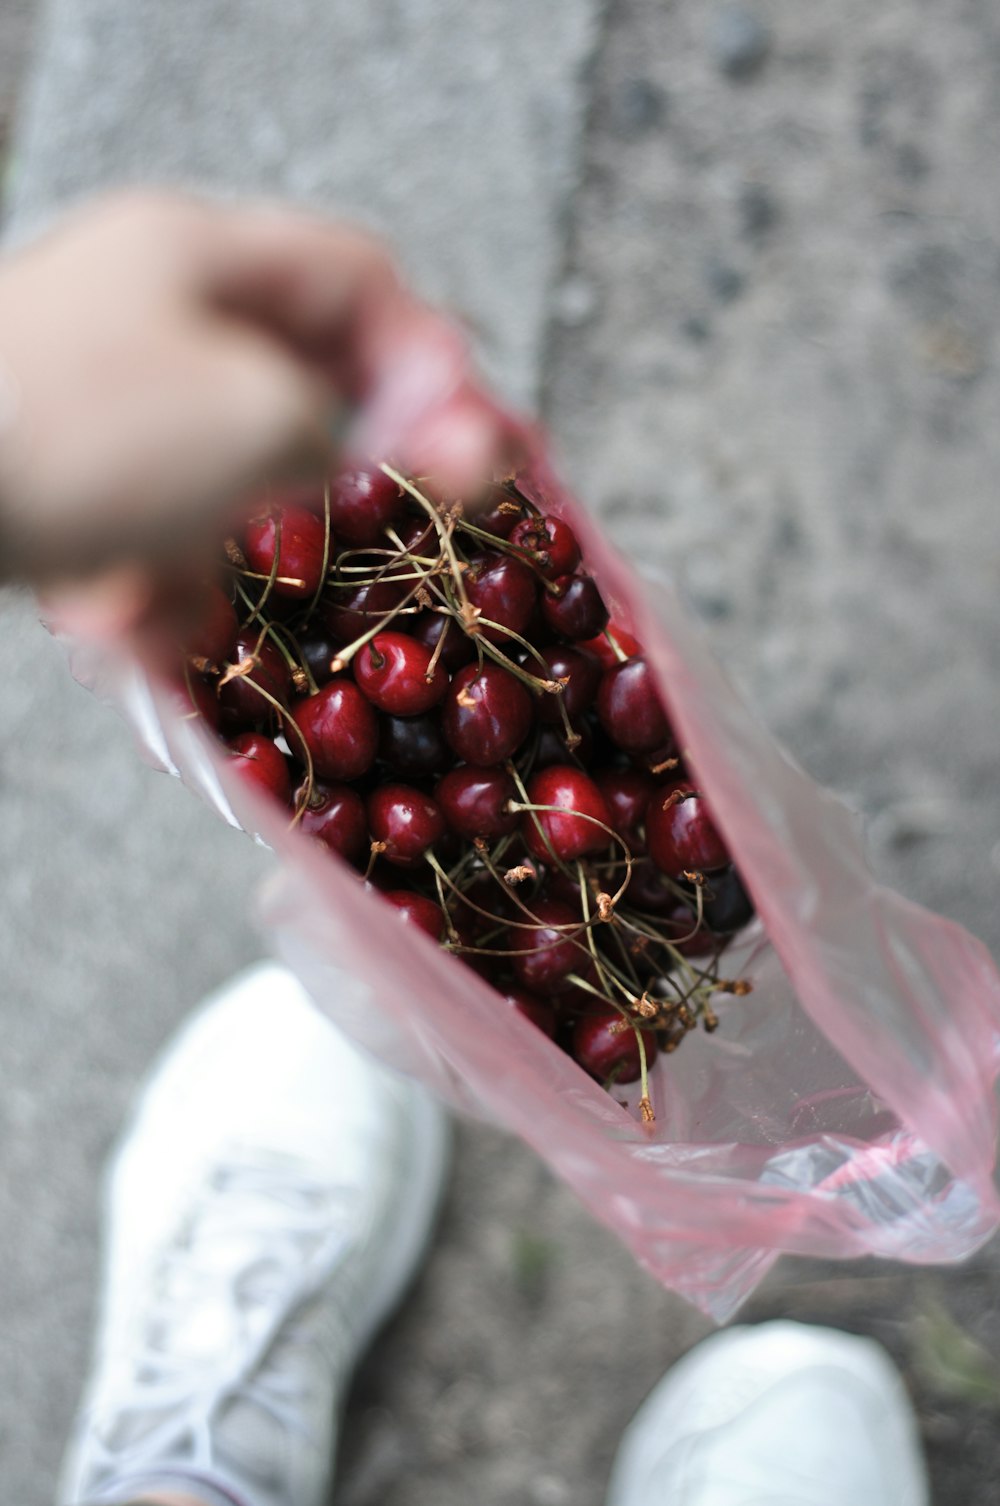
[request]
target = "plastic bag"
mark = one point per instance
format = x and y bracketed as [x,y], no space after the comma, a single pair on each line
[844,1108]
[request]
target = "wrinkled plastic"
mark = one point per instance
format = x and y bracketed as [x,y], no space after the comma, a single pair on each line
[844,1108]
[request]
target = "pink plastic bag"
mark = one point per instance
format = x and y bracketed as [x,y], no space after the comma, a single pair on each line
[843,1108]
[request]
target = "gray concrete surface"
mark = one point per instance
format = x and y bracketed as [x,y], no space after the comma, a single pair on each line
[755,284]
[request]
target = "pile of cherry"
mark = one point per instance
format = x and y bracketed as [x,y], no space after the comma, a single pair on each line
[441,700]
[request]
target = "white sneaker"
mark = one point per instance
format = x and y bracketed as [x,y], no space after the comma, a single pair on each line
[273,1194]
[778,1415]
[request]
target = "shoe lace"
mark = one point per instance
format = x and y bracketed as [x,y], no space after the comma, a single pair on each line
[258,1243]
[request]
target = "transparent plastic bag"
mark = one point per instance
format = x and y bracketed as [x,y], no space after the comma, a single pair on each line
[844,1108]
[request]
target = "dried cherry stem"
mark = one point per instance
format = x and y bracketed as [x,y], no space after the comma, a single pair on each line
[444,532]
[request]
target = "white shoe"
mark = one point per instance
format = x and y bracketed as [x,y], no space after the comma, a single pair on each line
[273,1195]
[778,1415]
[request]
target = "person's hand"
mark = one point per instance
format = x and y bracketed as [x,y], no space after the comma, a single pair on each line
[159,356]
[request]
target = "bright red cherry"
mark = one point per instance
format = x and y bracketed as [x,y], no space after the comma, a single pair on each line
[627,792]
[210,628]
[352,610]
[582,674]
[300,552]
[362,505]
[340,730]
[406,820]
[475,802]
[630,709]
[545,953]
[567,829]
[538,1011]
[417,910]
[550,542]
[240,698]
[394,672]
[487,714]
[605,1046]
[576,609]
[505,591]
[626,641]
[258,763]
[680,834]
[429,627]
[414,746]
[335,815]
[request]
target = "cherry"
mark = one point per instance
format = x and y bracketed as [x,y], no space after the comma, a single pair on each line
[680,833]
[582,674]
[258,763]
[300,552]
[544,954]
[417,911]
[335,815]
[629,645]
[550,542]
[576,608]
[339,728]
[363,504]
[501,518]
[240,698]
[356,609]
[505,591]
[627,792]
[486,894]
[570,835]
[650,890]
[538,1011]
[394,672]
[487,714]
[552,747]
[318,647]
[195,698]
[726,905]
[413,746]
[429,627]
[475,801]
[210,628]
[605,1046]
[418,536]
[630,709]
[406,820]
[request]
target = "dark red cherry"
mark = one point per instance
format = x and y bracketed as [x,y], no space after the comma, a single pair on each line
[544,953]
[340,729]
[209,627]
[582,674]
[335,815]
[418,536]
[629,645]
[257,762]
[414,746]
[350,610]
[605,1046]
[475,802]
[680,834]
[483,905]
[244,698]
[318,647]
[417,910]
[538,1011]
[552,747]
[487,714]
[727,907]
[505,591]
[576,609]
[362,505]
[630,709]
[550,542]
[406,820]
[627,792]
[300,552]
[194,699]
[568,830]
[429,627]
[394,672]
[501,517]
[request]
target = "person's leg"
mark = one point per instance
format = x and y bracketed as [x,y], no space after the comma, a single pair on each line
[272,1197]
[779,1415]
